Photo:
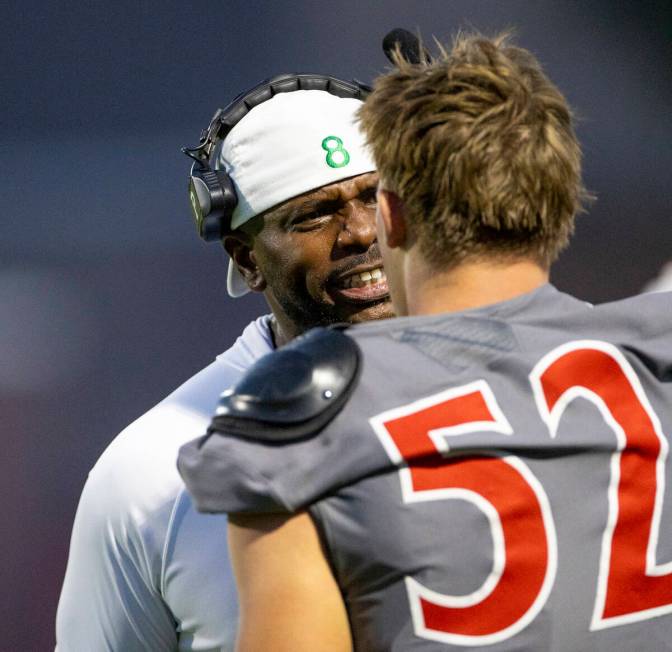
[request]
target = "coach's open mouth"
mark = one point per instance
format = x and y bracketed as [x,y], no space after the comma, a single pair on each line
[361,285]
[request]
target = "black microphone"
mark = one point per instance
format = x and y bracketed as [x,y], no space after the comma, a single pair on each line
[409,46]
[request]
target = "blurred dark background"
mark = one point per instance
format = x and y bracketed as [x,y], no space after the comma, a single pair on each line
[109,300]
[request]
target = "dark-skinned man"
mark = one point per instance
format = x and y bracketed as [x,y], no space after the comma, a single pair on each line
[146,571]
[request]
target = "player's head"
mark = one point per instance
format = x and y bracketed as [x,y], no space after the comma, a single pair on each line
[303,231]
[478,148]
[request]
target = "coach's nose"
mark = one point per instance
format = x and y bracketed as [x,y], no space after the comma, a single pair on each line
[358,226]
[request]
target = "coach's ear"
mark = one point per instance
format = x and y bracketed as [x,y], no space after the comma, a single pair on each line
[240,247]
[392,216]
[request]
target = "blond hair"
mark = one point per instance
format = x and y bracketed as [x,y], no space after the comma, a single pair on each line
[479,145]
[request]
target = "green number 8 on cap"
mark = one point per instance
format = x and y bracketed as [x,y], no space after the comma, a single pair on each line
[337,155]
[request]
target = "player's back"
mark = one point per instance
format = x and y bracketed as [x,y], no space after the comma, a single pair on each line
[525,510]
[496,480]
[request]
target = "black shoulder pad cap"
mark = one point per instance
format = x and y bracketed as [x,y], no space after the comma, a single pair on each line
[294,392]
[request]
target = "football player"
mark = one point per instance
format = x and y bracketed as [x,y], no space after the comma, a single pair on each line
[488,471]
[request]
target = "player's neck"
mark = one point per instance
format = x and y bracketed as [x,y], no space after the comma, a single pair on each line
[470,285]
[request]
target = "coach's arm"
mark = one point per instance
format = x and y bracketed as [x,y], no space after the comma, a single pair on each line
[108,602]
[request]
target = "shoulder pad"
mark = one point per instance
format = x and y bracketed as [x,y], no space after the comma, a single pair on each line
[293,392]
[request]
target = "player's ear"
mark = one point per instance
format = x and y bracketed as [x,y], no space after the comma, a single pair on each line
[392,217]
[240,247]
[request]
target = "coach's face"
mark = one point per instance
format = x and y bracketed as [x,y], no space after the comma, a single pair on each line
[316,257]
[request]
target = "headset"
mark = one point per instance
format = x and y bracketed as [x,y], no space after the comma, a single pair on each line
[211,192]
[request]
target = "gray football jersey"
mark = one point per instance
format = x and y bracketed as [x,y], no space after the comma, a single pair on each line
[496,481]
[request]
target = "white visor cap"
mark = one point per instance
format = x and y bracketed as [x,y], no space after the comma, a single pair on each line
[291,144]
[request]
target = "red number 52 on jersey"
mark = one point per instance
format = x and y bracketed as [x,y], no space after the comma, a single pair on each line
[630,585]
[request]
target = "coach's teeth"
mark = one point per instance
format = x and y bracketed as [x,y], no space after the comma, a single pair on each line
[364,278]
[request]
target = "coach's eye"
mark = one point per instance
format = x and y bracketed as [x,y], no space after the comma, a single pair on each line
[314,217]
[308,221]
[308,217]
[368,197]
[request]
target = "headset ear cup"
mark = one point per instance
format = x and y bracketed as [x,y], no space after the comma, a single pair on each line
[213,200]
